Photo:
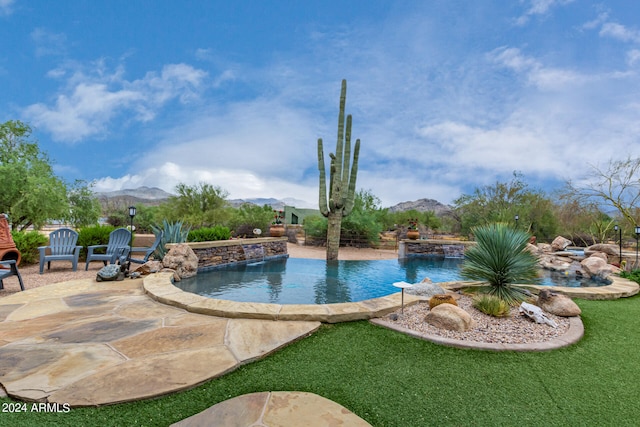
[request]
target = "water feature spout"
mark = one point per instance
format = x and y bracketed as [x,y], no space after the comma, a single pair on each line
[253,253]
[453,251]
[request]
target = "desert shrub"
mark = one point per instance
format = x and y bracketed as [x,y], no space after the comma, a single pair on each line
[501,259]
[315,229]
[491,305]
[93,235]
[209,234]
[631,275]
[173,232]
[27,243]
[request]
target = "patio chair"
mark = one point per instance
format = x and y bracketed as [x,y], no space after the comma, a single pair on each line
[10,268]
[146,250]
[116,250]
[62,247]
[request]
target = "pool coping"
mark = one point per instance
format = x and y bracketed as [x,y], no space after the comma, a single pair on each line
[618,288]
[159,286]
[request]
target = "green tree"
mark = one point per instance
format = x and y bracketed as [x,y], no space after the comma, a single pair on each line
[31,194]
[582,221]
[200,205]
[84,207]
[248,217]
[501,202]
[501,259]
[618,186]
[399,220]
[363,226]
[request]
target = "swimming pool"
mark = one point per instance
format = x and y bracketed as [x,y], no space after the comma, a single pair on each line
[313,281]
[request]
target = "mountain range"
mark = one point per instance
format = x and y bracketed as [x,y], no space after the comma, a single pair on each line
[155,196]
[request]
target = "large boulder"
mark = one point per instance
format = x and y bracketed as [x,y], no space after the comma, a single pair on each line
[608,249]
[602,255]
[558,304]
[424,289]
[450,317]
[182,259]
[560,244]
[594,265]
[555,263]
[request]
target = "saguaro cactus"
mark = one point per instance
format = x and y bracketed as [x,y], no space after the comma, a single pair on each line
[342,179]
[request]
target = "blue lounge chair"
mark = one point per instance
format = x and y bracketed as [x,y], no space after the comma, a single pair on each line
[116,250]
[62,247]
[10,268]
[147,251]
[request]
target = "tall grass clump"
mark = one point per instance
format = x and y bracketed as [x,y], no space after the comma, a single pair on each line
[491,305]
[500,259]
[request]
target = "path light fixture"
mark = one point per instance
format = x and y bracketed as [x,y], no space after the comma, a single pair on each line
[132,213]
[403,286]
[619,230]
[637,236]
[517,217]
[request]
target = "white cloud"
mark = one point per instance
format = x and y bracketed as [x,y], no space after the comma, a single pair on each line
[540,8]
[91,101]
[591,25]
[620,32]
[259,147]
[633,57]
[6,7]
[536,73]
[48,43]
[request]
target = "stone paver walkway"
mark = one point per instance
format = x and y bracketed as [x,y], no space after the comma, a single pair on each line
[275,409]
[85,343]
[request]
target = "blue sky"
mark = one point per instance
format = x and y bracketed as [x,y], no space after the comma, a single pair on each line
[446,96]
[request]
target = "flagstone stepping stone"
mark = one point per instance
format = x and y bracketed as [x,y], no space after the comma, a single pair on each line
[86,344]
[271,409]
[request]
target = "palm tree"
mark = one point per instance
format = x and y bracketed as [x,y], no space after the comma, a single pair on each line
[500,258]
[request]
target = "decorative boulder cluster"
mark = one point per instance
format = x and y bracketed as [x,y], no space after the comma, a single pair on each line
[594,264]
[180,260]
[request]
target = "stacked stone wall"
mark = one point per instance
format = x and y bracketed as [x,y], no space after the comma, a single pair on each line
[446,248]
[220,253]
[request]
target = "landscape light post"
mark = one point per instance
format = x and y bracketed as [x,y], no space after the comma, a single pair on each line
[619,230]
[637,235]
[132,213]
[517,217]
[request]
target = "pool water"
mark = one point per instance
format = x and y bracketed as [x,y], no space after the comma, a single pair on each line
[313,281]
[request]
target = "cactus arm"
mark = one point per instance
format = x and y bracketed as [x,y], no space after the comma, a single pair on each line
[352,180]
[322,202]
[340,142]
[347,158]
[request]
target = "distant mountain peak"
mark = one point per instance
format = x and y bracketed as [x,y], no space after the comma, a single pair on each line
[422,205]
[145,193]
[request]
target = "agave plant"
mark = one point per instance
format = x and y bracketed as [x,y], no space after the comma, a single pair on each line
[500,258]
[173,233]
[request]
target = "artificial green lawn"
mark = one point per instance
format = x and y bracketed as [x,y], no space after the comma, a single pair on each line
[390,379]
